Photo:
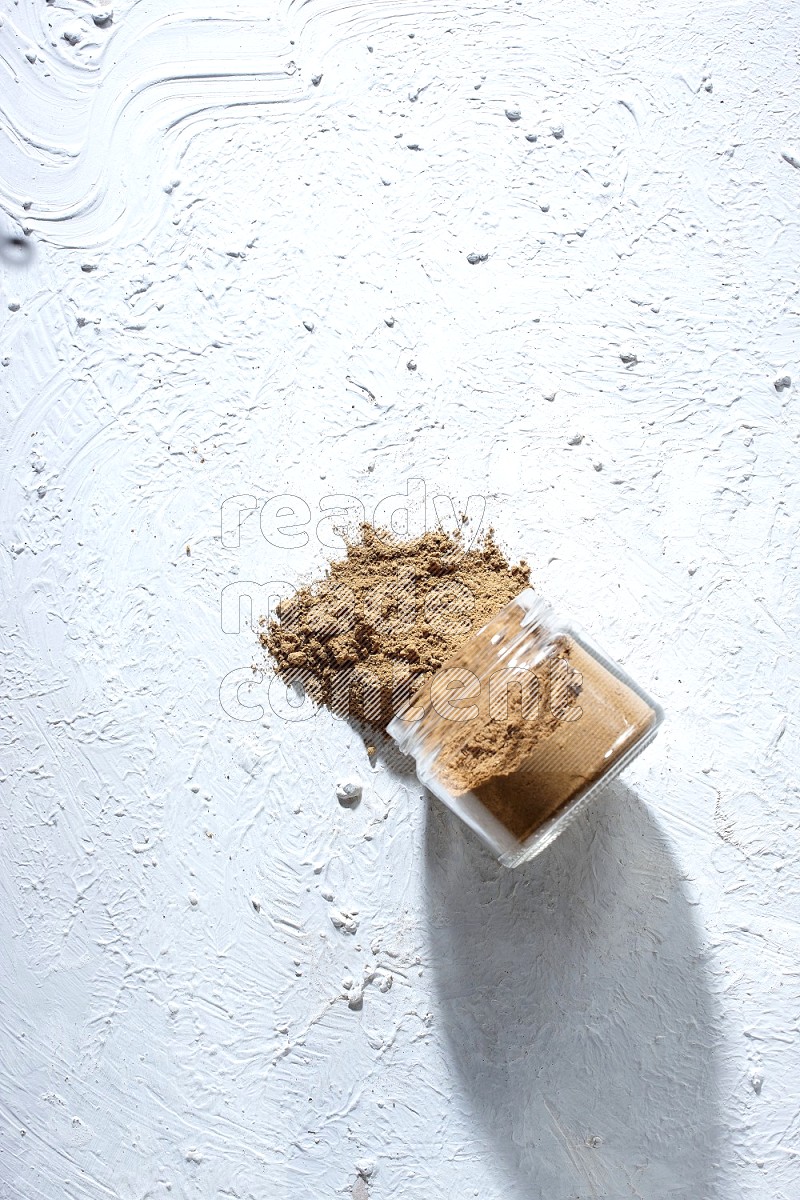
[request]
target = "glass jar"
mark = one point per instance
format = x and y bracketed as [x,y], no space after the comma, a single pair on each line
[522,726]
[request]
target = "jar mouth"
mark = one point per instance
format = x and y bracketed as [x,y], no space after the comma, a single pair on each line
[524,621]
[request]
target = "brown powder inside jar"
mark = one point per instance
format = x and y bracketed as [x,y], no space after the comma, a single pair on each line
[526,742]
[386,616]
[571,754]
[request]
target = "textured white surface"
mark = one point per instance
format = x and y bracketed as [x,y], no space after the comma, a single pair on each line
[217,981]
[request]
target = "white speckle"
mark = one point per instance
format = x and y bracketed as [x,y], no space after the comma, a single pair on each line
[576,439]
[365,1168]
[194,899]
[349,791]
[13,306]
[757,1081]
[326,894]
[355,996]
[557,131]
[316,80]
[544,206]
[193,1156]
[346,921]
[628,357]
[783,381]
[72,35]
[598,466]
[474,258]
[792,159]
[256,903]
[513,114]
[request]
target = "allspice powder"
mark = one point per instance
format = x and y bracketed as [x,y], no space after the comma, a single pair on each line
[362,640]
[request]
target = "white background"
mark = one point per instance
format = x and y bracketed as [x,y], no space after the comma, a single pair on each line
[621,1017]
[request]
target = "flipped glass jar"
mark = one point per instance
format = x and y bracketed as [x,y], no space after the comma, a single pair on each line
[522,726]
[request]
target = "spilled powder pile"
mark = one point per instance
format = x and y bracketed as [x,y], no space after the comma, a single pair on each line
[364,638]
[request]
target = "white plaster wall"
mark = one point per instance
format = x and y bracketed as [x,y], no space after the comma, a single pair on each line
[621,1017]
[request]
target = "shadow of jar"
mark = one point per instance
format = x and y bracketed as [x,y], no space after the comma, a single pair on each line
[574,1001]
